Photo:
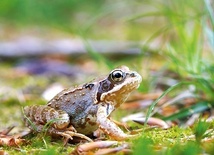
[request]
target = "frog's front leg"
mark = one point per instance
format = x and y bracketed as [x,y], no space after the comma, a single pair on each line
[42,118]
[108,126]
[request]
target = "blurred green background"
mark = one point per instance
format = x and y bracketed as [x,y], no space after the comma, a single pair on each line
[95,19]
[176,34]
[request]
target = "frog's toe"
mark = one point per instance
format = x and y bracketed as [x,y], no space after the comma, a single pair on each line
[65,135]
[78,135]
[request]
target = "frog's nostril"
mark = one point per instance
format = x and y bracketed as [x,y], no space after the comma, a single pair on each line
[132,75]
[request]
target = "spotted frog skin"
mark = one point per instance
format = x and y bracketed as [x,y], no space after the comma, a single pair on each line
[80,111]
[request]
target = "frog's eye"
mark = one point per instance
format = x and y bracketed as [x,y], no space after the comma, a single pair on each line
[117,76]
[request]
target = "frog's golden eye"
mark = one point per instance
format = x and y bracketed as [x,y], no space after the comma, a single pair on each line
[117,75]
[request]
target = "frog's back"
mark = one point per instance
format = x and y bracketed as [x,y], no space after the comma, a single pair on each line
[74,101]
[80,106]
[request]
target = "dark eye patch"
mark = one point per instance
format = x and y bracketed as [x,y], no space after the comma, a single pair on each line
[105,85]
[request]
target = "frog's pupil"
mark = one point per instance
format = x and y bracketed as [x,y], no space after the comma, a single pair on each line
[117,75]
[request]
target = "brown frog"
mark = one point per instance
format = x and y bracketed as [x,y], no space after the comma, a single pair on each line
[81,111]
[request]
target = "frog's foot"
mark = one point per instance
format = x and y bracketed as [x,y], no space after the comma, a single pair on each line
[123,125]
[118,134]
[70,134]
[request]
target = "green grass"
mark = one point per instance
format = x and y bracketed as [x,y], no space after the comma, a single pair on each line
[184,36]
[176,140]
[184,33]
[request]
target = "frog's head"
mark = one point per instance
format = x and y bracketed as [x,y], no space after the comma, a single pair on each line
[118,85]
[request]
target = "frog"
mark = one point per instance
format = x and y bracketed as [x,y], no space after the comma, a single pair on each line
[78,112]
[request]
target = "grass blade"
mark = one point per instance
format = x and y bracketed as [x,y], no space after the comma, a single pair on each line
[196,108]
[158,99]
